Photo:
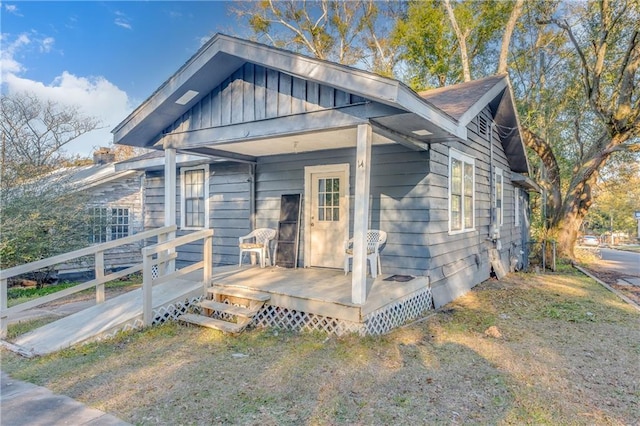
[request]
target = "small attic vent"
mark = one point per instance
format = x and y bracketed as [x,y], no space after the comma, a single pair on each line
[483,126]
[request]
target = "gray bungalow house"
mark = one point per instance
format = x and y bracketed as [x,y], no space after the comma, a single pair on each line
[443,173]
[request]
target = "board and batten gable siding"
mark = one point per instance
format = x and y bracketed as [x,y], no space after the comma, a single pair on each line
[254,93]
[399,199]
[229,211]
[460,261]
[126,192]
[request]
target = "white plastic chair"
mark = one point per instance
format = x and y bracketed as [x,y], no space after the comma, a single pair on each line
[259,243]
[375,239]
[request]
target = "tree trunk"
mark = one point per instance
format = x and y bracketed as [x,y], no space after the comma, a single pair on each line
[551,182]
[566,226]
[462,42]
[506,38]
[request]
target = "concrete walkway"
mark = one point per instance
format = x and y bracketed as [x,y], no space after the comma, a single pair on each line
[23,404]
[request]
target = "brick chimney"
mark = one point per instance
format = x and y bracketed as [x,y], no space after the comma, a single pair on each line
[103,156]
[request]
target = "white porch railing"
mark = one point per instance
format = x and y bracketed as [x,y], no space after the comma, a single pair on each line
[161,254]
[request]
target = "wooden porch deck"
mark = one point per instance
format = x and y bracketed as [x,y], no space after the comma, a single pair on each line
[322,292]
[325,292]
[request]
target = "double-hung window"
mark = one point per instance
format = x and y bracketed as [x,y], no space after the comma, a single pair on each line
[108,224]
[461,192]
[194,197]
[499,196]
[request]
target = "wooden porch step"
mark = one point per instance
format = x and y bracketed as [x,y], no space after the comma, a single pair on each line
[240,293]
[227,308]
[224,326]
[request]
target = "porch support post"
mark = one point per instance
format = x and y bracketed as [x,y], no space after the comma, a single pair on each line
[4,319]
[361,215]
[170,200]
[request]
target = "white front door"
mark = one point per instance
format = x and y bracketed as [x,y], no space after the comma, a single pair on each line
[326,214]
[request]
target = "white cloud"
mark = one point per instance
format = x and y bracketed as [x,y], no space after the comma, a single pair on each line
[122,23]
[122,20]
[94,96]
[12,8]
[7,62]
[46,44]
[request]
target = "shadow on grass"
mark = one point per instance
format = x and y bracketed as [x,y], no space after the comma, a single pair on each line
[544,367]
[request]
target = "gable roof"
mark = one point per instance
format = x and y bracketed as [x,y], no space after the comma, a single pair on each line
[464,101]
[444,112]
[222,55]
[459,100]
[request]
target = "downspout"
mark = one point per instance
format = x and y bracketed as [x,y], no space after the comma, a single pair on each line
[492,190]
[494,230]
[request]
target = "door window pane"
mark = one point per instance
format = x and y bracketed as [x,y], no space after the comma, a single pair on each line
[329,199]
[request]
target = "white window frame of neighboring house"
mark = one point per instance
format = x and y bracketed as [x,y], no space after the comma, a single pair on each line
[499,195]
[465,160]
[183,201]
[516,202]
[110,230]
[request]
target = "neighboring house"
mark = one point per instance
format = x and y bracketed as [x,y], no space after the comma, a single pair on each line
[443,172]
[114,201]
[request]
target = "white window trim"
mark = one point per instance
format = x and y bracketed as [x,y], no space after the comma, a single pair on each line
[464,158]
[516,202]
[107,228]
[204,167]
[499,172]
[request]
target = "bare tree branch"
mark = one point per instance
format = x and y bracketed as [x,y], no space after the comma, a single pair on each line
[462,41]
[506,37]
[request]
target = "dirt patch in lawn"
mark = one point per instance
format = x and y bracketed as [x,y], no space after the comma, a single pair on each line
[537,349]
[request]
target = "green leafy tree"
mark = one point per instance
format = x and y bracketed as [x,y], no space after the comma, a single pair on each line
[41,215]
[443,42]
[616,198]
[574,68]
[599,113]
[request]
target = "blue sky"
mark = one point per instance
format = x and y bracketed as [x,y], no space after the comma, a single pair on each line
[105,57]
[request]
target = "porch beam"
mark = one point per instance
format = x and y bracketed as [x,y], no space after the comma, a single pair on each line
[222,155]
[315,121]
[361,214]
[170,182]
[402,139]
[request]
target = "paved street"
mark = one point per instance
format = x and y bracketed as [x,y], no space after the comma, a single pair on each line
[623,262]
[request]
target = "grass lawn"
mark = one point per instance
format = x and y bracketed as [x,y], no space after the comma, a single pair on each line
[17,295]
[530,349]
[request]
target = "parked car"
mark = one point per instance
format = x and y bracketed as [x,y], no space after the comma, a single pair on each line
[590,240]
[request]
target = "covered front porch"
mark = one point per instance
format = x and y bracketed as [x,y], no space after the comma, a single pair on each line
[298,132]
[321,299]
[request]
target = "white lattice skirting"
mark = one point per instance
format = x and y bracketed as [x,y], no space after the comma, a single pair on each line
[378,322]
[164,313]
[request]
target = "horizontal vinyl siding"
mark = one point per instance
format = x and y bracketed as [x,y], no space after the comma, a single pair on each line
[460,261]
[398,198]
[229,211]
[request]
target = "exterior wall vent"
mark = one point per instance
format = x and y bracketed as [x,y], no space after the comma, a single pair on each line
[483,126]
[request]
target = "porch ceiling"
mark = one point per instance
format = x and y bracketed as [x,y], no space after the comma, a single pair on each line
[295,144]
